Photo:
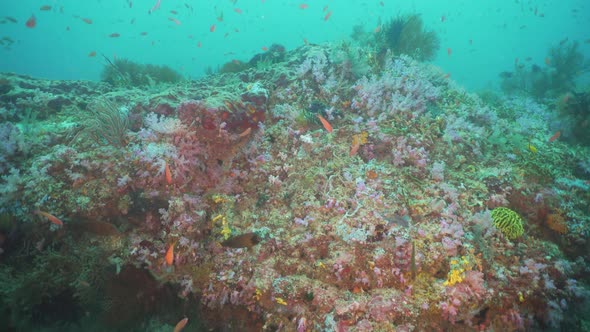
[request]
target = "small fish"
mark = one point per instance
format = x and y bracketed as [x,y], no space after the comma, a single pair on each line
[547,61]
[199,45]
[92,54]
[238,10]
[13,20]
[528,58]
[87,20]
[381,3]
[566,98]
[515,61]
[169,258]
[443,18]
[470,41]
[144,33]
[156,6]
[173,12]
[327,17]
[220,17]
[45,8]
[212,28]
[532,148]
[563,41]
[246,240]
[114,35]
[31,22]
[555,136]
[245,132]
[325,123]
[303,6]
[377,29]
[50,217]
[181,324]
[264,48]
[354,149]
[168,174]
[325,8]
[449,51]
[176,21]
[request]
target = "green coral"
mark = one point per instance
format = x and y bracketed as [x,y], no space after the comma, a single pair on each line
[508,221]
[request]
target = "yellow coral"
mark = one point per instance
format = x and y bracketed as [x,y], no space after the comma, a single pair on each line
[457,273]
[455,276]
[508,221]
[360,139]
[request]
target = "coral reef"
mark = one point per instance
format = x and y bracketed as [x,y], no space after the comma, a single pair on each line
[388,221]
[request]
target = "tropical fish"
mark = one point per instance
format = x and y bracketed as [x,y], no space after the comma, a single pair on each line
[325,123]
[169,258]
[264,48]
[96,227]
[181,324]
[156,6]
[246,240]
[50,217]
[245,132]
[555,136]
[212,28]
[532,148]
[31,22]
[327,17]
[168,173]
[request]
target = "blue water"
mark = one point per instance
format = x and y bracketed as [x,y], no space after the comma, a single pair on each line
[485,36]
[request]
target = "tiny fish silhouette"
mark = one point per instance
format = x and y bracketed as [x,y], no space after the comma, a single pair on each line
[246,240]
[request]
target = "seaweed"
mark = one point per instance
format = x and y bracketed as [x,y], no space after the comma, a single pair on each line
[563,65]
[124,72]
[568,63]
[406,35]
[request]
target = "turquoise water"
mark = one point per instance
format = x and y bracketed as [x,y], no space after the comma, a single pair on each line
[58,46]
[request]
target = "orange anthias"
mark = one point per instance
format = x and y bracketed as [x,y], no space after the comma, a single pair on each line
[181,324]
[325,123]
[49,216]
[170,255]
[168,174]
